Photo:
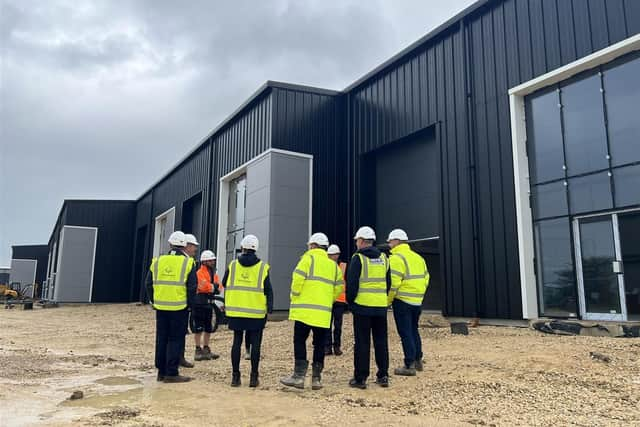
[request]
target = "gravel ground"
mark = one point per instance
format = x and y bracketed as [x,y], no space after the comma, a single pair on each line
[494,376]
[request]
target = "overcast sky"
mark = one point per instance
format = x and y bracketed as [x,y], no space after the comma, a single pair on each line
[99,98]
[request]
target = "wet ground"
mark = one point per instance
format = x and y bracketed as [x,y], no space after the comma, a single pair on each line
[494,376]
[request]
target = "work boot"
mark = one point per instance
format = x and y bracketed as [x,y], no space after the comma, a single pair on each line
[235,379]
[328,351]
[253,381]
[361,384]
[247,355]
[185,364]
[316,376]
[176,379]
[297,378]
[406,371]
[419,365]
[383,381]
[207,352]
[336,350]
[200,355]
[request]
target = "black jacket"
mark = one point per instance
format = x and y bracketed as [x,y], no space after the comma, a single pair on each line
[353,283]
[192,282]
[241,323]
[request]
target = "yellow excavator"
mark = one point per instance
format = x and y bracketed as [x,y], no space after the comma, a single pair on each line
[7,293]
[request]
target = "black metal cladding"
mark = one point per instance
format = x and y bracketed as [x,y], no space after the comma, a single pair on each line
[313,123]
[459,78]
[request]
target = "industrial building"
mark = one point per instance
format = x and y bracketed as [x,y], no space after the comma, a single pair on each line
[28,268]
[505,142]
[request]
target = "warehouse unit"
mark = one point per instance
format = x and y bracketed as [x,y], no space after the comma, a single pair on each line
[504,142]
[90,252]
[32,260]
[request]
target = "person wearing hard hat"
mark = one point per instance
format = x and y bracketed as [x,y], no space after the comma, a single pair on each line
[202,312]
[190,249]
[171,285]
[409,281]
[368,284]
[316,284]
[333,343]
[248,297]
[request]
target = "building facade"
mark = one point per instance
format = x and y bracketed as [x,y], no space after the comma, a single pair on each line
[505,142]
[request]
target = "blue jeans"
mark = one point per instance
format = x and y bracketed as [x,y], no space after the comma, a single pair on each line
[406,317]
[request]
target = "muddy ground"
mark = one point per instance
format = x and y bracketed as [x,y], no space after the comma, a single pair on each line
[494,376]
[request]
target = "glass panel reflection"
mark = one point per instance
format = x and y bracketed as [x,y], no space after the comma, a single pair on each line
[601,289]
[550,200]
[627,184]
[584,130]
[622,96]
[556,276]
[590,193]
[544,136]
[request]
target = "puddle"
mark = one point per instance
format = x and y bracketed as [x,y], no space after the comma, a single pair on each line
[105,400]
[112,381]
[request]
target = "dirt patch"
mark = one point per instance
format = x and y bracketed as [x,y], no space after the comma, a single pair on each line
[493,376]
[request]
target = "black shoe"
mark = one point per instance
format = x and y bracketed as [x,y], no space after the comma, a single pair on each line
[235,379]
[160,377]
[328,351]
[185,364]
[253,381]
[337,351]
[176,379]
[383,381]
[357,384]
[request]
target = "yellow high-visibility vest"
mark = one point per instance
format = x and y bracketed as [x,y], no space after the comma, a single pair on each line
[169,273]
[409,275]
[316,284]
[244,291]
[372,288]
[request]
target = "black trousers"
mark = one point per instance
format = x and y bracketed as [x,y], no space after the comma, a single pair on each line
[364,328]
[254,338]
[301,333]
[170,327]
[336,321]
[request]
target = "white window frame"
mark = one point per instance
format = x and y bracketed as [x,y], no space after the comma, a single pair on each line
[521,164]
[223,203]
[157,244]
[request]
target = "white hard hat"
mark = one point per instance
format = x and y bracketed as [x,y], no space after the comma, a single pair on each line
[249,242]
[365,233]
[207,256]
[191,239]
[398,234]
[320,239]
[333,250]
[177,238]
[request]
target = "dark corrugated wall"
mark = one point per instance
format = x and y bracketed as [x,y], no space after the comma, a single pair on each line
[459,81]
[37,252]
[314,123]
[115,220]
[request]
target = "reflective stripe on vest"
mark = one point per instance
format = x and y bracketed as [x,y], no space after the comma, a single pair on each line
[244,291]
[169,273]
[313,304]
[413,286]
[372,288]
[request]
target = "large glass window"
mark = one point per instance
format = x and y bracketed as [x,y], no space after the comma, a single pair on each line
[550,200]
[556,276]
[590,193]
[584,130]
[627,186]
[622,97]
[544,137]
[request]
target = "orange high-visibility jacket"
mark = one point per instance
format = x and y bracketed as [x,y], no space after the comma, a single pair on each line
[205,284]
[343,296]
